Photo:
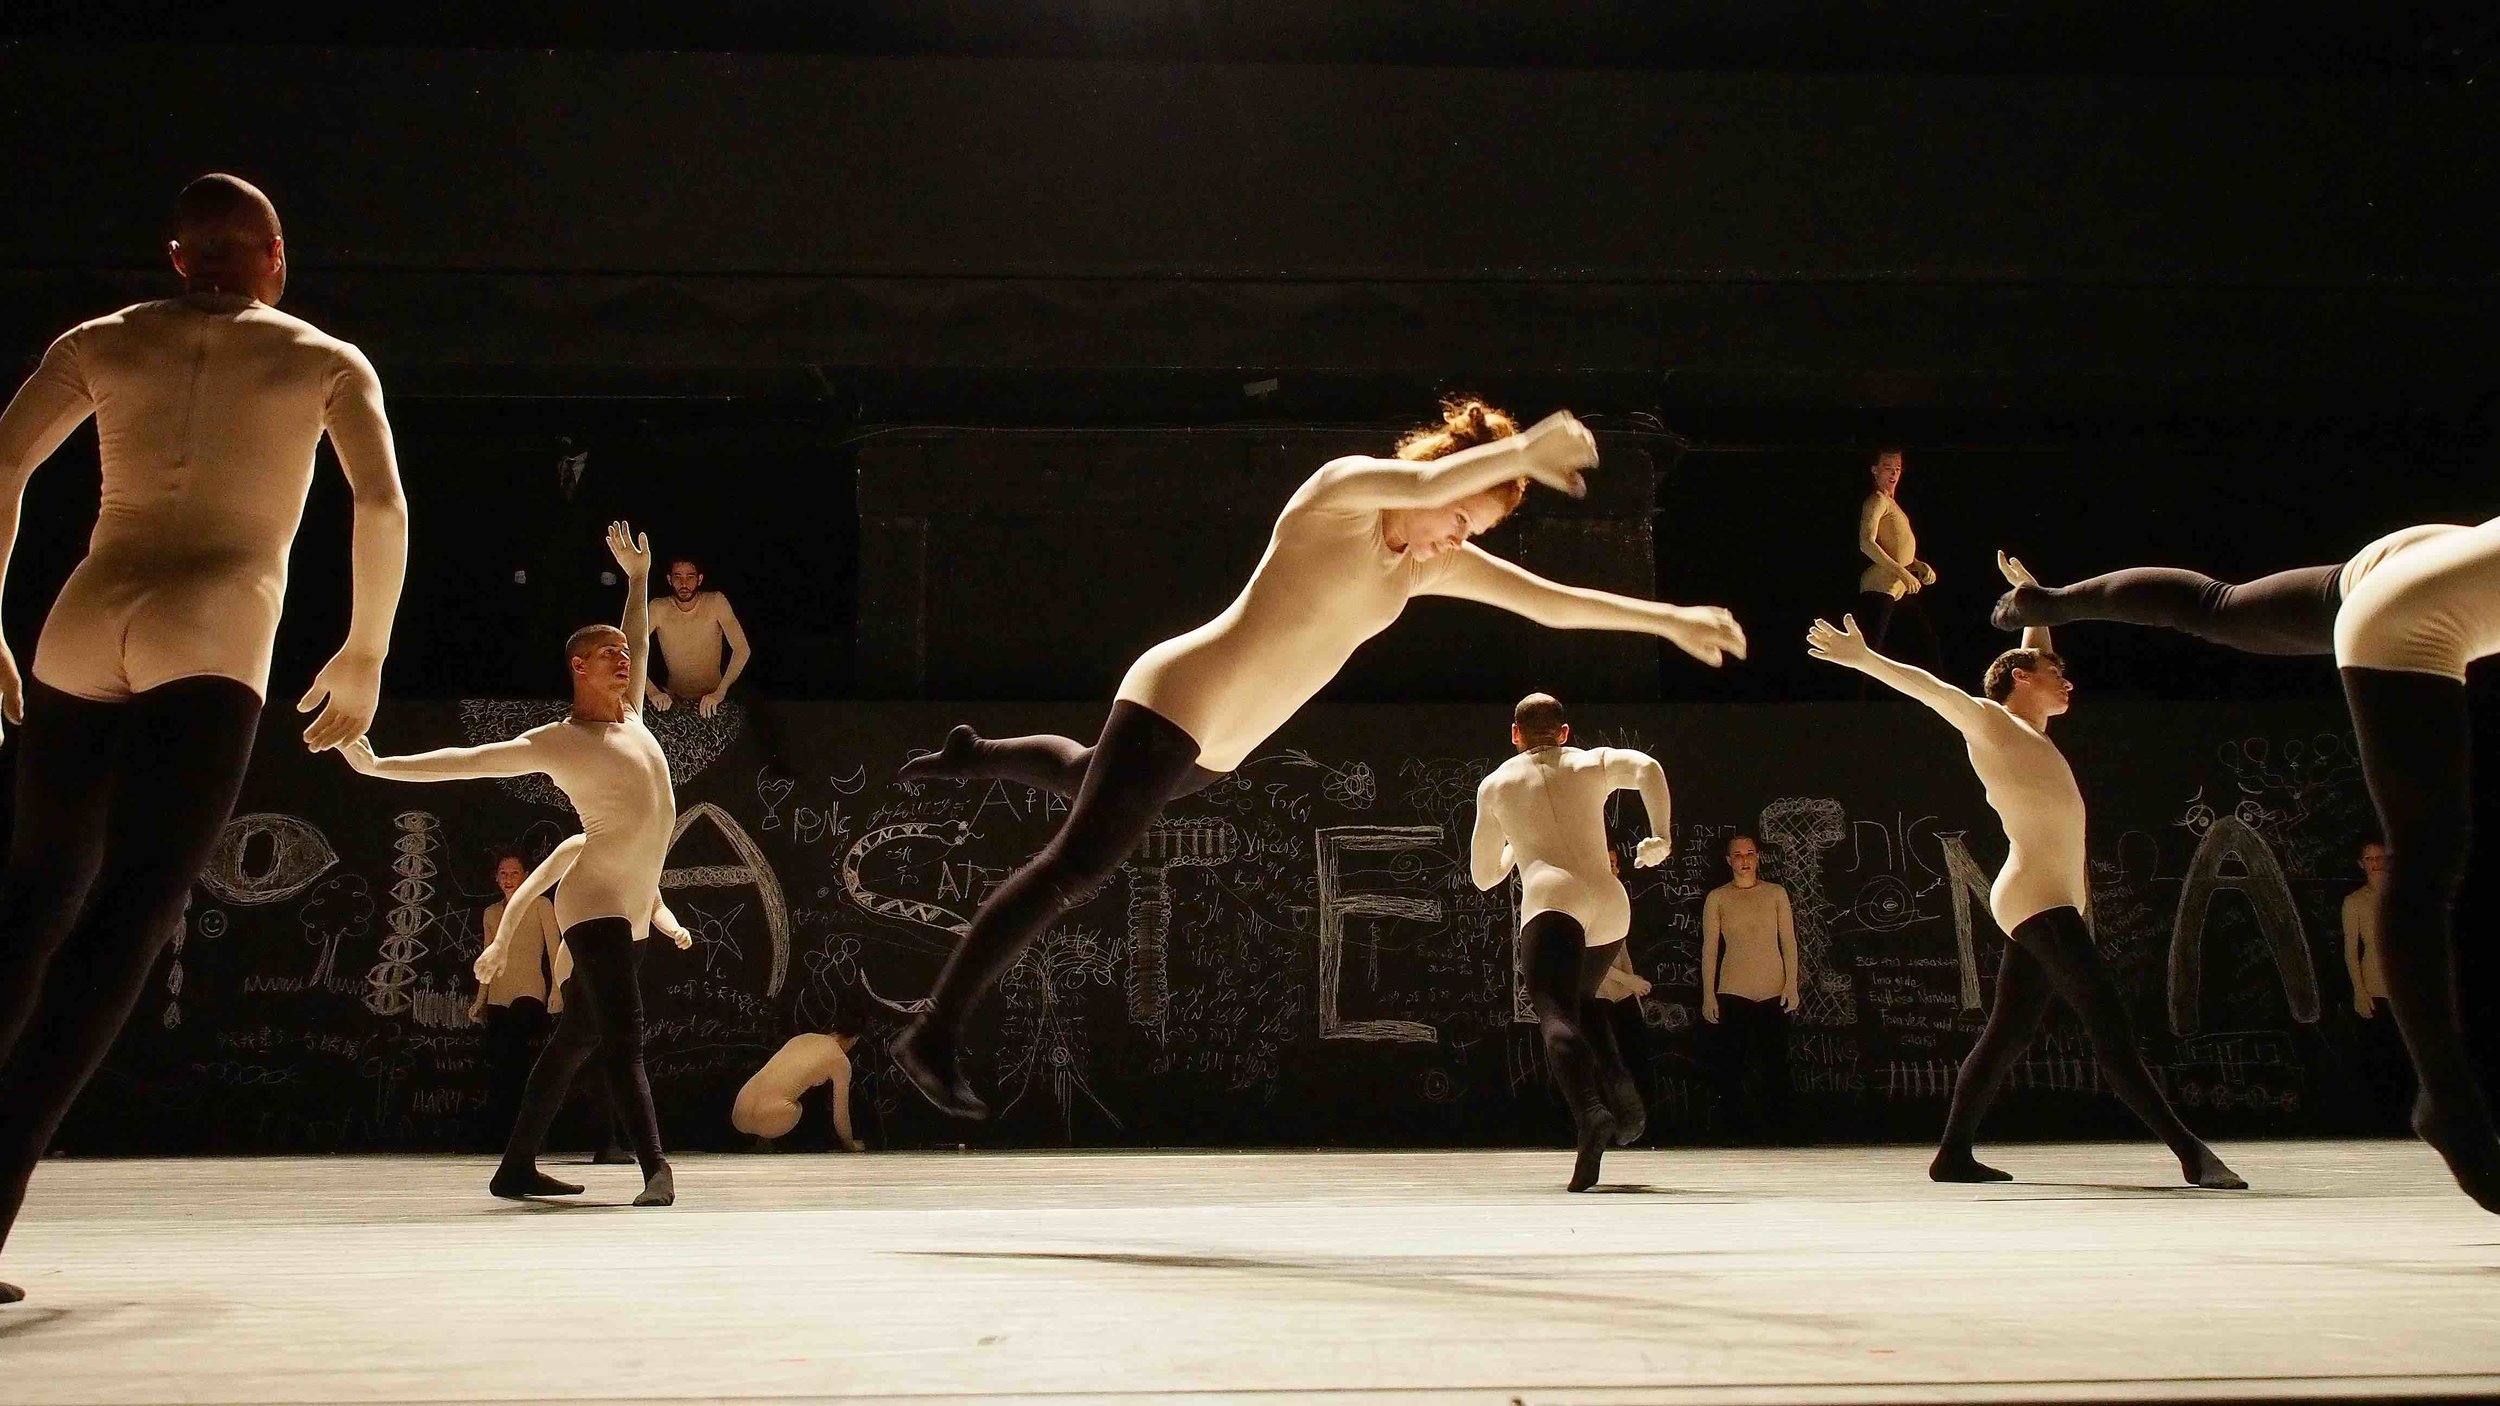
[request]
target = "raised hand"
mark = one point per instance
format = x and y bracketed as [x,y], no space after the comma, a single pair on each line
[631,550]
[2016,574]
[1844,646]
[348,690]
[1560,451]
[1652,852]
[1705,632]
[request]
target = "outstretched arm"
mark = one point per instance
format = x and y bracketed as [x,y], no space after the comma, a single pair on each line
[520,908]
[1848,648]
[1554,451]
[515,757]
[1488,854]
[1639,771]
[351,683]
[53,402]
[1868,517]
[633,554]
[1705,632]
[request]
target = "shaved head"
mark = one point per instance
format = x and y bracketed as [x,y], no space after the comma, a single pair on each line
[226,238]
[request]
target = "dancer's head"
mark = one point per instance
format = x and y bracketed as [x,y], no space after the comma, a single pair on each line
[1886,470]
[227,240]
[1538,722]
[509,872]
[1428,532]
[2374,863]
[1744,858]
[685,577]
[2030,680]
[603,669]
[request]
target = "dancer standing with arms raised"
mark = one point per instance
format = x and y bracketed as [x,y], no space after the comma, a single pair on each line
[154,660]
[1356,542]
[2039,897]
[2403,618]
[610,767]
[1543,812]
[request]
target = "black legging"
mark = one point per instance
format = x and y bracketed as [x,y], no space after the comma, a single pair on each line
[602,1011]
[2051,958]
[510,1048]
[1751,1036]
[1562,973]
[2290,612]
[1119,785]
[118,806]
[1902,622]
[2416,757]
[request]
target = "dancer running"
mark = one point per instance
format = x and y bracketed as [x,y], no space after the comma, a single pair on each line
[1543,812]
[611,768]
[2403,618]
[1357,541]
[2039,897]
[154,660]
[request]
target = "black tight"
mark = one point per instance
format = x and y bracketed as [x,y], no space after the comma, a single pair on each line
[118,806]
[1751,1038]
[602,1011]
[1900,629]
[1562,973]
[2051,958]
[2290,612]
[1118,786]
[2416,756]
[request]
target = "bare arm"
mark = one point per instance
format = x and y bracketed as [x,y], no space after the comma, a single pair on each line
[517,756]
[633,553]
[1471,573]
[521,907]
[1553,451]
[1869,515]
[739,650]
[53,402]
[1488,853]
[841,1081]
[1638,771]
[1849,649]
[351,683]
[1787,929]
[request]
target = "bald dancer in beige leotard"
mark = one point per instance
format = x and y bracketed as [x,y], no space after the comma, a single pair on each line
[1356,542]
[2039,896]
[149,677]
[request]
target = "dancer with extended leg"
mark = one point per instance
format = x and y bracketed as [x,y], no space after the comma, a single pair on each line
[611,768]
[1543,812]
[2039,897]
[1355,543]
[2403,618]
[154,660]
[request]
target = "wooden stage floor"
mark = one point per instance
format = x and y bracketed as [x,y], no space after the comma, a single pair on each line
[1824,1275]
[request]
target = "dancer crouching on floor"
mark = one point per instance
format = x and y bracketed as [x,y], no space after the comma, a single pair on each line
[1355,543]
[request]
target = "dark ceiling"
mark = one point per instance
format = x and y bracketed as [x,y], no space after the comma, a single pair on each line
[2442,40]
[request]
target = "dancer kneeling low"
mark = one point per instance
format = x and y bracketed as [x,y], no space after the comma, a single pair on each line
[2039,896]
[1355,543]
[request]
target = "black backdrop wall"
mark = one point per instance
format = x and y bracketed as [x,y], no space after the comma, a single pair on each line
[1327,972]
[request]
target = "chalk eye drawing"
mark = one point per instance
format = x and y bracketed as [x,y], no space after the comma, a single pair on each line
[949,833]
[1352,785]
[1170,845]
[1336,904]
[388,985]
[752,868]
[1884,903]
[295,855]
[1798,830]
[2259,877]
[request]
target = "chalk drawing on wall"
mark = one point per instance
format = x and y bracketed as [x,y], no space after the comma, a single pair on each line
[914,911]
[297,854]
[1798,830]
[752,868]
[1045,1047]
[1171,844]
[1336,904]
[1969,885]
[2258,876]
[389,985]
